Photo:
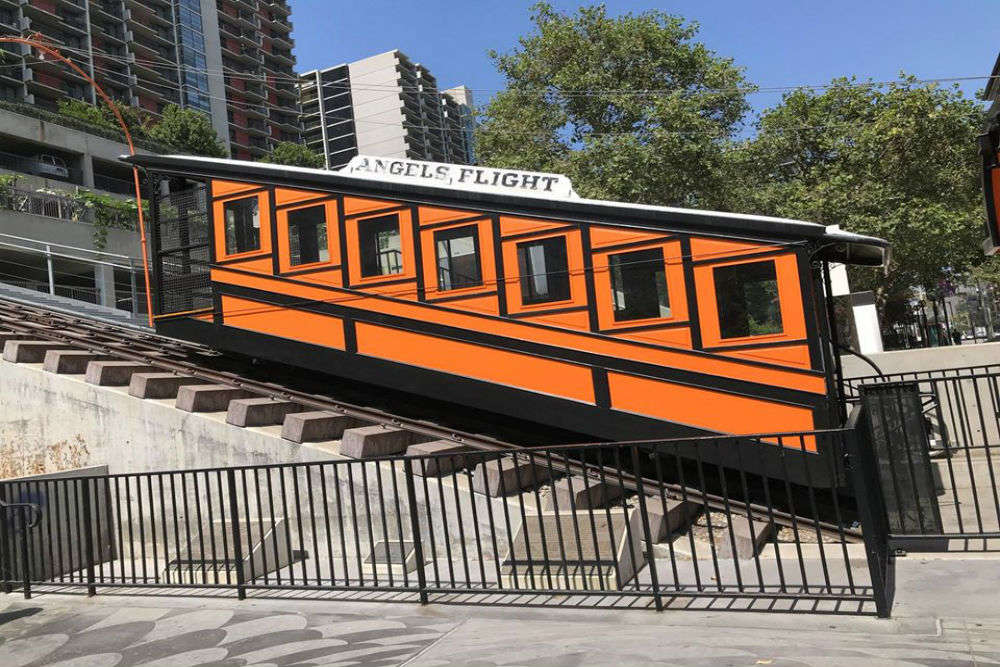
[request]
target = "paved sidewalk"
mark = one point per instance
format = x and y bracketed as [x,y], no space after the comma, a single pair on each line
[947,613]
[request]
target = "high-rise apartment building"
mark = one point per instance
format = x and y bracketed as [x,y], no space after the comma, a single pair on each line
[231,59]
[384,105]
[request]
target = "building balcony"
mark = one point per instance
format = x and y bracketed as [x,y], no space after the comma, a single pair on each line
[106,10]
[281,56]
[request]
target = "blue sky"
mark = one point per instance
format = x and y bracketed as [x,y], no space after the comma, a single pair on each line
[780,42]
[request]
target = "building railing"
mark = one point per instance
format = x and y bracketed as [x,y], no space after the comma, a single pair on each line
[542,525]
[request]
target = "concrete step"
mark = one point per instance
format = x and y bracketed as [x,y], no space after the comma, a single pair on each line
[744,539]
[115,373]
[71,362]
[667,516]
[259,411]
[30,351]
[508,475]
[438,463]
[577,493]
[159,385]
[316,426]
[208,397]
[370,441]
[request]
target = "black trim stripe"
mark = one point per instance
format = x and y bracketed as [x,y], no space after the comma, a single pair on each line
[551,311]
[462,297]
[456,221]
[315,269]
[562,229]
[691,293]
[378,211]
[636,244]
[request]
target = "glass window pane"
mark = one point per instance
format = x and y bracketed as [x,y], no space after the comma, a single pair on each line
[544,271]
[639,285]
[747,297]
[307,236]
[242,225]
[381,246]
[458,258]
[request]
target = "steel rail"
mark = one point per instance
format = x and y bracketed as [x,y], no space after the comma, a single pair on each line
[107,338]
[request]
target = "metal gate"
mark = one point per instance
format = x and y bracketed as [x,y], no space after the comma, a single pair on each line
[181,252]
[936,439]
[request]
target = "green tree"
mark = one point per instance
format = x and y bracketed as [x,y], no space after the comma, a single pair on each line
[629,107]
[296,155]
[189,131]
[137,120]
[897,161]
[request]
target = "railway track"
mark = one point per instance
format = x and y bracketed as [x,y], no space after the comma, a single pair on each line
[195,360]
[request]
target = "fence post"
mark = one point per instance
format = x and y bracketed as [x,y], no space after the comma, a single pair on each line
[234,517]
[88,535]
[6,558]
[654,577]
[133,289]
[48,264]
[25,564]
[418,550]
[861,467]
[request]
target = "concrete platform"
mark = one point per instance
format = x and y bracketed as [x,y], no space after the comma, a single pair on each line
[71,362]
[259,411]
[209,397]
[370,441]
[114,373]
[30,351]
[507,476]
[159,385]
[316,426]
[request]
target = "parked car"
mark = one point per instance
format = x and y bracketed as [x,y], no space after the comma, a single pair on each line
[50,165]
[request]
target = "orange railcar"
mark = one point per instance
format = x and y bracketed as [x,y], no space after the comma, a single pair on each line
[615,320]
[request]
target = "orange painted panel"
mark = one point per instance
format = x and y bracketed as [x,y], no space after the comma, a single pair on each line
[578,320]
[707,249]
[331,278]
[674,268]
[256,264]
[284,196]
[483,304]
[353,205]
[713,365]
[407,290]
[789,295]
[704,408]
[430,215]
[510,225]
[790,355]
[222,188]
[673,337]
[476,361]
[608,236]
[273,320]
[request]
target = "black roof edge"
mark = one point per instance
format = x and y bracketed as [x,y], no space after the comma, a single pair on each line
[855,248]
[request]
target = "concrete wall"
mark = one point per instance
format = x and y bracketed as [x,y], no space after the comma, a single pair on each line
[378,109]
[923,359]
[66,232]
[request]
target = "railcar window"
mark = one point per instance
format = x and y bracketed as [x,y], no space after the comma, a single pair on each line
[242,219]
[458,258]
[307,236]
[747,297]
[544,271]
[381,248]
[639,285]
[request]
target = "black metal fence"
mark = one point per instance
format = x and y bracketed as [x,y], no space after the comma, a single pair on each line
[641,524]
[937,435]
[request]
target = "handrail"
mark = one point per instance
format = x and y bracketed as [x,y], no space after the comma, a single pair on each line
[36,511]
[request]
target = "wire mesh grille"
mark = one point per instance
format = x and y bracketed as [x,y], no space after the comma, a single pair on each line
[183,257]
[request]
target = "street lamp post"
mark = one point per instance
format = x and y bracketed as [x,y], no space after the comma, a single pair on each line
[36,41]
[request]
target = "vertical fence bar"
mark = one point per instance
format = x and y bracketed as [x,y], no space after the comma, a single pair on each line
[88,535]
[418,550]
[50,271]
[241,592]
[25,563]
[644,517]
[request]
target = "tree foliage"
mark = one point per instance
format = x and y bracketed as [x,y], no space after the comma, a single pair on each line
[896,161]
[189,131]
[296,155]
[137,120]
[572,105]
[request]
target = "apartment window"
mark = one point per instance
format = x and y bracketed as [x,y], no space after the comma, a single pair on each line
[307,236]
[544,271]
[639,285]
[381,247]
[242,218]
[458,258]
[747,298]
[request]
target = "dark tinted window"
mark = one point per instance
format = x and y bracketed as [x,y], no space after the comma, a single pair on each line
[747,296]
[458,258]
[307,236]
[639,285]
[544,272]
[381,249]
[242,225]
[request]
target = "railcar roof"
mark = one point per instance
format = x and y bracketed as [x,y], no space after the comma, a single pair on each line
[834,245]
